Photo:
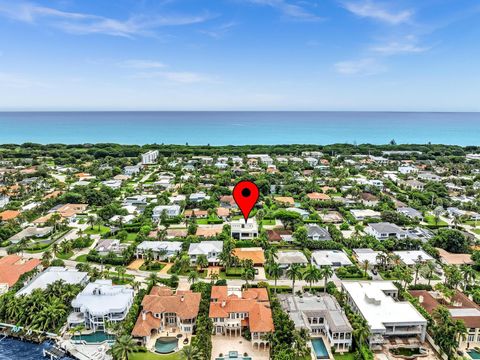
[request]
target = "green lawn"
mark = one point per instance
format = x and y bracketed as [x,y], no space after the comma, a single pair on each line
[477,231]
[268,222]
[430,219]
[387,275]
[64,256]
[152,356]
[131,237]
[81,258]
[102,230]
[347,356]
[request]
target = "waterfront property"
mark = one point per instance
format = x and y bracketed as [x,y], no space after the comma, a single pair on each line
[163,310]
[12,267]
[387,317]
[232,311]
[51,275]
[99,302]
[321,315]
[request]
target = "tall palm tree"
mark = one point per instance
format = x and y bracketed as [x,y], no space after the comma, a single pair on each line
[294,272]
[153,279]
[275,272]
[417,267]
[187,353]
[429,271]
[469,275]
[193,276]
[327,273]
[123,347]
[248,274]
[365,264]
[312,274]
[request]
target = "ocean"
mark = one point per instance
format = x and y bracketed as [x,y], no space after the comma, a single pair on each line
[11,349]
[239,128]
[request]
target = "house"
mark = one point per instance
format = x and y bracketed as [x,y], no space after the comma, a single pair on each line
[315,196]
[368,199]
[100,302]
[198,197]
[304,214]
[276,235]
[150,157]
[223,213]
[161,249]
[195,213]
[284,200]
[136,200]
[428,176]
[112,184]
[410,212]
[377,302]
[132,170]
[460,308]
[334,258]
[412,257]
[12,267]
[69,211]
[4,200]
[331,217]
[290,257]
[405,170]
[170,210]
[255,254]
[384,230]
[208,231]
[454,259]
[369,255]
[31,232]
[233,311]
[227,201]
[51,275]
[211,249]
[242,230]
[107,246]
[362,214]
[317,233]
[320,314]
[415,184]
[9,215]
[164,310]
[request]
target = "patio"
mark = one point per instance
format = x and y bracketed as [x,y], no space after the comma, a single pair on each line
[224,344]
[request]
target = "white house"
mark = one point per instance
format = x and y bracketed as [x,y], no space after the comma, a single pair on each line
[4,200]
[244,231]
[211,249]
[334,258]
[161,249]
[99,302]
[407,170]
[112,184]
[198,197]
[362,214]
[377,302]
[170,210]
[384,230]
[132,170]
[412,257]
[150,157]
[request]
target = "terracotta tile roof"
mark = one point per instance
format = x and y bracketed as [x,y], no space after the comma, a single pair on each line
[43,219]
[285,200]
[228,199]
[259,294]
[219,292]
[208,231]
[221,211]
[68,210]
[318,196]
[275,234]
[254,254]
[53,195]
[455,259]
[13,266]
[9,215]
[260,319]
[195,212]
[144,327]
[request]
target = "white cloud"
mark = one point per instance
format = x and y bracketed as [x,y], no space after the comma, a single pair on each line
[293,11]
[219,31]
[371,9]
[80,23]
[394,48]
[142,64]
[9,80]
[363,67]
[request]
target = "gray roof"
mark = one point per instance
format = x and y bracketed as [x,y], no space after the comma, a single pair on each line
[385,227]
[31,232]
[314,230]
[291,257]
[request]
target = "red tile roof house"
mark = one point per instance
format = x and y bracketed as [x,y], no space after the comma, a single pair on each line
[232,311]
[12,267]
[163,310]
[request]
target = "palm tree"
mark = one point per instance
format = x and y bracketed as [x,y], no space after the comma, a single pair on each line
[187,353]
[293,273]
[327,273]
[123,347]
[275,272]
[192,276]
[429,271]
[365,264]
[361,331]
[91,221]
[312,274]
[248,274]
[202,261]
[469,274]
[153,279]
[417,266]
[121,272]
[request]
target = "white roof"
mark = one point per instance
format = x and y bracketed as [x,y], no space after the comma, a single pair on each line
[101,298]
[51,275]
[364,213]
[411,257]
[379,309]
[205,247]
[170,246]
[366,254]
[291,257]
[331,258]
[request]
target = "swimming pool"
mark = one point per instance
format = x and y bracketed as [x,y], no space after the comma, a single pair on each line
[233,355]
[166,345]
[320,349]
[474,354]
[94,338]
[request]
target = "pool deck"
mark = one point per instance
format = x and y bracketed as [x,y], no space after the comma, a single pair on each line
[327,346]
[224,344]
[168,333]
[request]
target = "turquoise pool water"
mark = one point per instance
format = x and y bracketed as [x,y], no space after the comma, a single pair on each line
[320,348]
[233,355]
[166,345]
[94,338]
[474,354]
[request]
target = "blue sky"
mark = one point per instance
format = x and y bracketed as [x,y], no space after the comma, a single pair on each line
[240,55]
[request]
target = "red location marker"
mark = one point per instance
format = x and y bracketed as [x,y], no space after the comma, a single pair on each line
[245,194]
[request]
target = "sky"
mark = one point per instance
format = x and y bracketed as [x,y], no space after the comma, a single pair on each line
[402,55]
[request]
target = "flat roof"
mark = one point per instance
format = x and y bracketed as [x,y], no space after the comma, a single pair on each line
[330,257]
[411,257]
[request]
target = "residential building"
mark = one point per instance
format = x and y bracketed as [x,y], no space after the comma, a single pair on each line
[51,275]
[384,230]
[112,184]
[211,249]
[12,267]
[161,249]
[255,254]
[198,197]
[136,200]
[107,246]
[334,258]
[320,314]
[170,211]
[290,257]
[242,230]
[407,170]
[363,255]
[164,310]
[410,212]
[31,232]
[412,257]
[362,214]
[150,157]
[132,170]
[377,302]
[4,200]
[317,233]
[233,311]
[100,302]
[415,184]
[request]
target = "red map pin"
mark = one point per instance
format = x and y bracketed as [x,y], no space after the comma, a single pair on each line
[245,194]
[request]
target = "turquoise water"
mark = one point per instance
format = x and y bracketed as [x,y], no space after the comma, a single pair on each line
[93,338]
[237,128]
[320,348]
[233,355]
[166,345]
[11,349]
[474,354]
